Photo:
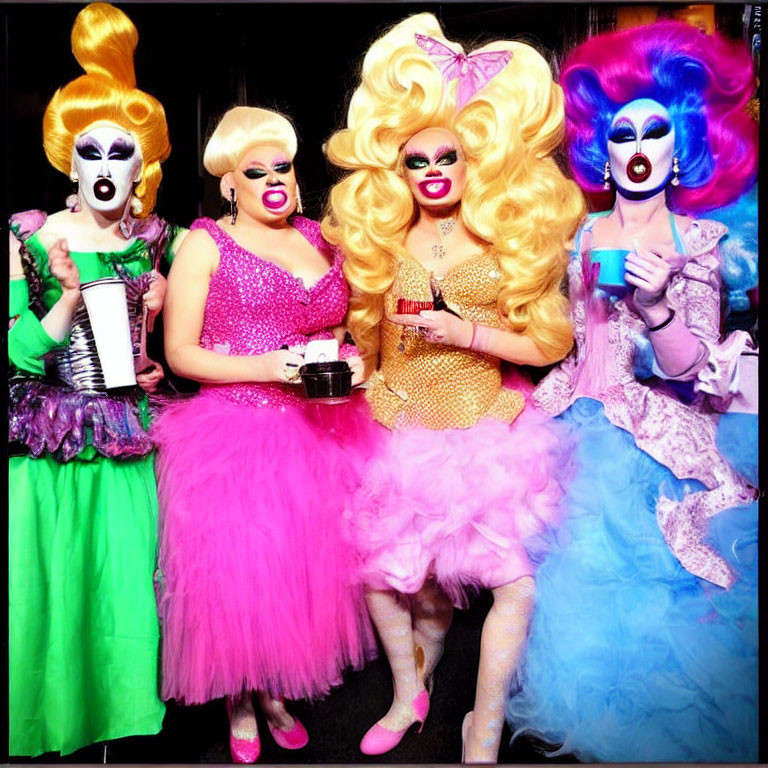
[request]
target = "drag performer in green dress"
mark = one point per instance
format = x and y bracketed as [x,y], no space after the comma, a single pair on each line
[82,501]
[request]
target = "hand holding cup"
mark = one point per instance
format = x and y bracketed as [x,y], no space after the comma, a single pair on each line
[649,272]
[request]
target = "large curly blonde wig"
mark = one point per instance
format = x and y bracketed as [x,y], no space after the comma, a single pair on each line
[103,42]
[516,198]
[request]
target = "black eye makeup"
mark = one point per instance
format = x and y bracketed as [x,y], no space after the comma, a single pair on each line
[416,162]
[88,150]
[282,167]
[254,173]
[121,150]
[621,133]
[656,128]
[448,158]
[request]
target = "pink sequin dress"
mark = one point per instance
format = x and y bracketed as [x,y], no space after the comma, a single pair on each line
[252,481]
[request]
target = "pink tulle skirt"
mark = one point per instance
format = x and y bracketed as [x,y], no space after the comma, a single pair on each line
[257,588]
[458,504]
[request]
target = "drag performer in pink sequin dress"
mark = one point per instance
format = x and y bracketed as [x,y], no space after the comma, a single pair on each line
[252,476]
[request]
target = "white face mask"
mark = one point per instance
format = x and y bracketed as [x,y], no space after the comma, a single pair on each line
[641,147]
[107,160]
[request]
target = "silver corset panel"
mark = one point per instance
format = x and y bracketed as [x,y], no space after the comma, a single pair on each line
[78,365]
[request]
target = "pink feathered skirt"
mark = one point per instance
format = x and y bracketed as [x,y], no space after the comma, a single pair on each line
[457,505]
[257,585]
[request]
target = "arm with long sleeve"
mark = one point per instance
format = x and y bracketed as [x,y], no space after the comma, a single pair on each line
[677,341]
[31,338]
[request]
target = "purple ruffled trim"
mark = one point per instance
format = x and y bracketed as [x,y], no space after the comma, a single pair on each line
[62,422]
[26,223]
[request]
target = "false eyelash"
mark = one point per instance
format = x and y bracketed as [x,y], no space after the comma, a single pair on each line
[622,135]
[88,152]
[656,130]
[410,158]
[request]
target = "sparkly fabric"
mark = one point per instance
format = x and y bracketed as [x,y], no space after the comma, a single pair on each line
[78,364]
[679,436]
[452,495]
[434,386]
[253,480]
[65,417]
[255,306]
[49,418]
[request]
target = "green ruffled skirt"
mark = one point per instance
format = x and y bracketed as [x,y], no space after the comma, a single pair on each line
[83,628]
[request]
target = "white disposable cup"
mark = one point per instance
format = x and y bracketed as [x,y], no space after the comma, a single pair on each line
[108,311]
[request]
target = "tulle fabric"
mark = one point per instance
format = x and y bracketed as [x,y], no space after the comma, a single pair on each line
[630,657]
[457,504]
[256,578]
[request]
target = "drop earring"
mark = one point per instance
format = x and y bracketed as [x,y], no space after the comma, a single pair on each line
[675,172]
[299,207]
[232,206]
[607,175]
[73,200]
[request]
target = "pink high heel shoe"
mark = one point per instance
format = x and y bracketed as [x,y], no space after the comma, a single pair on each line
[296,738]
[242,750]
[379,739]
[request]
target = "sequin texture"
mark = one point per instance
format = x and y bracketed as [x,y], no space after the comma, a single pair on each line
[432,385]
[254,306]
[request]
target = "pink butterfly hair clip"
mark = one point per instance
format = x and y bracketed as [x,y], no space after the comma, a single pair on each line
[472,72]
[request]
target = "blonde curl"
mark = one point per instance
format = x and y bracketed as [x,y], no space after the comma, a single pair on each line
[516,197]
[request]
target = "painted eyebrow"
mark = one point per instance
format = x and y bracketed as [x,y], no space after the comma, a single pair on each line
[656,118]
[266,166]
[123,144]
[89,142]
[623,122]
[444,149]
[416,153]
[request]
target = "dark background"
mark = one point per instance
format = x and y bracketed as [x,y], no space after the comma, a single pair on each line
[200,59]
[303,60]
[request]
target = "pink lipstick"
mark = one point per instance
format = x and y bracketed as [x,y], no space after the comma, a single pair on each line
[274,199]
[435,187]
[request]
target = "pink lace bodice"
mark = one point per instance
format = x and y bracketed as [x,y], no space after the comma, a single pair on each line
[680,436]
[255,306]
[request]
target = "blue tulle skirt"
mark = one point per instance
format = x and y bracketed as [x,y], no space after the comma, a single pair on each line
[630,657]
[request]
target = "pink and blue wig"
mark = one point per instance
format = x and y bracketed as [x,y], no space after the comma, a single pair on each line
[704,81]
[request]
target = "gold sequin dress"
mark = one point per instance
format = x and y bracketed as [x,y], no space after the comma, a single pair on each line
[467,471]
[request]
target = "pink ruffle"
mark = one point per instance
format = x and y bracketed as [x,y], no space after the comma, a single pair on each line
[257,580]
[458,504]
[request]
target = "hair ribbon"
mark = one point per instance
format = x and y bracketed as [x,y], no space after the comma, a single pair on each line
[472,71]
